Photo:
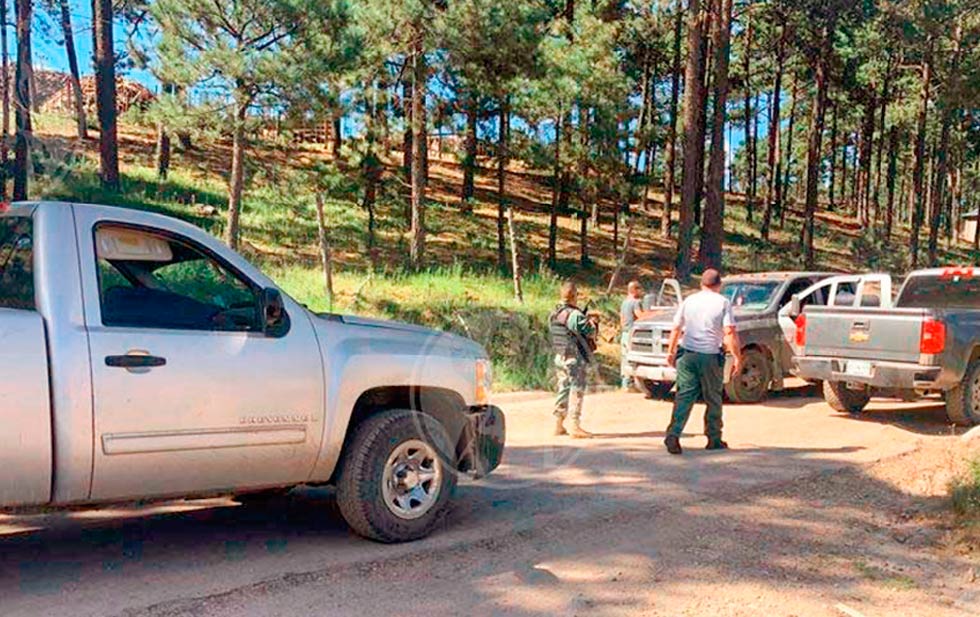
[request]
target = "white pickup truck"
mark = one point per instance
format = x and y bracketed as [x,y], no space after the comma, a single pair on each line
[141,359]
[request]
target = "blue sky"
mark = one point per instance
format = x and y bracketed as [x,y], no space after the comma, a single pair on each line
[49,53]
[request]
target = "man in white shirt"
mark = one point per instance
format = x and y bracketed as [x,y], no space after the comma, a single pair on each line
[704,328]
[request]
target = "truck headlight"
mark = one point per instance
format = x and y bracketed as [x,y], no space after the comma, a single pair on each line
[484,381]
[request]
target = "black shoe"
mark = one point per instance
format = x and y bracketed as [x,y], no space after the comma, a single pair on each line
[716,444]
[673,444]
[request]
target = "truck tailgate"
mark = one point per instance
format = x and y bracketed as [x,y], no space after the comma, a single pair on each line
[865,333]
[25,413]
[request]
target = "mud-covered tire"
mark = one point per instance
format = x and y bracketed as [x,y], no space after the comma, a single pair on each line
[842,399]
[656,390]
[963,401]
[361,492]
[751,385]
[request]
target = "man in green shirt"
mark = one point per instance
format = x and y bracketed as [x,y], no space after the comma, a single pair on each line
[572,337]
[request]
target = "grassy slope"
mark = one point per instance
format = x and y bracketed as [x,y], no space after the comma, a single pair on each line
[462,290]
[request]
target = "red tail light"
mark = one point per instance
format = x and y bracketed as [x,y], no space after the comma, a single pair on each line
[801,330]
[933,337]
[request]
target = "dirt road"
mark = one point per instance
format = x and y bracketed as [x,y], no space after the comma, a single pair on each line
[809,513]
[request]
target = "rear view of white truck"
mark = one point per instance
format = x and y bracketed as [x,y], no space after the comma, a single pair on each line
[141,359]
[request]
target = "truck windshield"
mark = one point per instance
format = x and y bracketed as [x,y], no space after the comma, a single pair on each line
[749,295]
[16,263]
[952,292]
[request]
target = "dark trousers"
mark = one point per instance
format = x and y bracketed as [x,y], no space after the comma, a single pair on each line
[699,375]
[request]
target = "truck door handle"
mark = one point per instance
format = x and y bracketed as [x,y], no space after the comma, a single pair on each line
[132,360]
[860,325]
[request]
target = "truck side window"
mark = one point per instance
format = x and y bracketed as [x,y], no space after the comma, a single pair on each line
[845,294]
[794,288]
[155,281]
[871,293]
[16,263]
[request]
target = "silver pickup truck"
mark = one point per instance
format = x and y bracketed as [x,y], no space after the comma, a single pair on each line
[141,359]
[767,332]
[757,300]
[928,343]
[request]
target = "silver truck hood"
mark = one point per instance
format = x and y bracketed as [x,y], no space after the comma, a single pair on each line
[425,337]
[665,317]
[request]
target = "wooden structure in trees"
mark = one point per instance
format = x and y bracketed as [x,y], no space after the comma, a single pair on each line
[129,94]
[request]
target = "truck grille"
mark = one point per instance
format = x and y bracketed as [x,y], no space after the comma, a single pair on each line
[649,340]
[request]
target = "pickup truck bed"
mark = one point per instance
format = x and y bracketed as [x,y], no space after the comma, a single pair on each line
[929,343]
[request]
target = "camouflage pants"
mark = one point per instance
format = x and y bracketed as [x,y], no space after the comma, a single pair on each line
[571,386]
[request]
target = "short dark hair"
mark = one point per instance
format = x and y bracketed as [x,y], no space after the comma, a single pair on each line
[710,278]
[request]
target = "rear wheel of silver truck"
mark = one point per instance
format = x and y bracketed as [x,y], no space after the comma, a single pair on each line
[963,401]
[843,399]
[396,479]
[656,390]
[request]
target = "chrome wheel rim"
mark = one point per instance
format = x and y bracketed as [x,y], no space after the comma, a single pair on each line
[412,479]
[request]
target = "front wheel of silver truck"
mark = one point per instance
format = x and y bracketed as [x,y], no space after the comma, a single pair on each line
[843,399]
[395,481]
[963,401]
[656,390]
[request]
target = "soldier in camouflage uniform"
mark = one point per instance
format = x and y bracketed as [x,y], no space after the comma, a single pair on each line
[571,330]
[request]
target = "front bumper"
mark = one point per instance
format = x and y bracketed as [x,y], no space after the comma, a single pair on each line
[653,368]
[481,448]
[884,374]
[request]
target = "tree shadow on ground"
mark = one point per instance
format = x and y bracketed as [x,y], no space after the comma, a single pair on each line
[536,498]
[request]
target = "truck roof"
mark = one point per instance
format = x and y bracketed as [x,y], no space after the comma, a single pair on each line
[775,276]
[948,271]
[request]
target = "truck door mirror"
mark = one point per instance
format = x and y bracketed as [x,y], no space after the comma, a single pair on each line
[794,307]
[275,322]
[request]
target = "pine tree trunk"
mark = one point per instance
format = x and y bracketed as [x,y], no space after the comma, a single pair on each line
[938,196]
[883,109]
[5,94]
[514,257]
[5,78]
[325,259]
[675,88]
[555,190]
[782,190]
[892,173]
[76,87]
[774,162]
[864,162]
[419,147]
[814,156]
[371,164]
[833,157]
[336,131]
[501,182]
[693,169]
[713,233]
[22,154]
[105,93]
[237,182]
[918,172]
[469,155]
[162,154]
[407,146]
[750,149]
[842,193]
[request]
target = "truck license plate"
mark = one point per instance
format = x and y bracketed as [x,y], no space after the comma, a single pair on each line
[858,368]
